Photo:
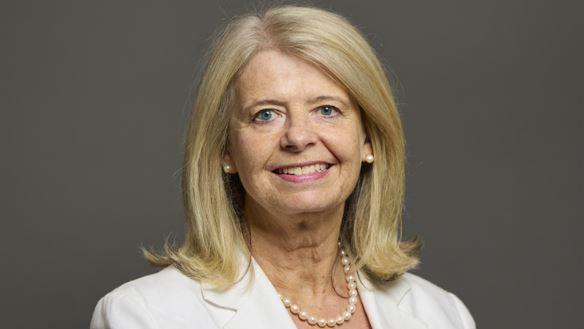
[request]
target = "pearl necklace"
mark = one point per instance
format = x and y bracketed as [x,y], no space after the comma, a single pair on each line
[351,306]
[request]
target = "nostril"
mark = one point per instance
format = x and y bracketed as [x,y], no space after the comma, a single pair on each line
[297,139]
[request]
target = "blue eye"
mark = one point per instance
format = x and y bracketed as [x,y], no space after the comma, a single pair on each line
[264,115]
[328,110]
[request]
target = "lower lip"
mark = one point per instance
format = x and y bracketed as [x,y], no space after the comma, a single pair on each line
[304,178]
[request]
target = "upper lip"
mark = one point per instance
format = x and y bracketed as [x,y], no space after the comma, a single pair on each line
[301,164]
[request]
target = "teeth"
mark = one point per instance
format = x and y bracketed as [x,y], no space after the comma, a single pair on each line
[303,170]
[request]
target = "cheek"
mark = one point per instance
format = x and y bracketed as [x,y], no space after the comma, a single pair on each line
[345,145]
[243,159]
[251,153]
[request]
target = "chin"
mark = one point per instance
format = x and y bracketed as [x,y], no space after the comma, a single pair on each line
[308,205]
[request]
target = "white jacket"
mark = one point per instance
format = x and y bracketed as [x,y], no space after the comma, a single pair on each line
[170,300]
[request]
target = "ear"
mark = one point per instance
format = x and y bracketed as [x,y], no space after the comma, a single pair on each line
[366,150]
[228,164]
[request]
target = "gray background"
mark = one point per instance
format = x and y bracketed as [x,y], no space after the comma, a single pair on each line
[92,116]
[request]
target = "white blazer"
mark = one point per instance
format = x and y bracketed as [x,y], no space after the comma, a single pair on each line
[170,300]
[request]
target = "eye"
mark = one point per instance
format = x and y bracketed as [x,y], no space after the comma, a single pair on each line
[328,110]
[264,116]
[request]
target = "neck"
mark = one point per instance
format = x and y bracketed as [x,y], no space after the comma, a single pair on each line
[298,253]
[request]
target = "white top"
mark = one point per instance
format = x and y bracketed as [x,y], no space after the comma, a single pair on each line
[170,300]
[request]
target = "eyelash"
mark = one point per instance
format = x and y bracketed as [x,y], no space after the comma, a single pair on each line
[256,116]
[334,108]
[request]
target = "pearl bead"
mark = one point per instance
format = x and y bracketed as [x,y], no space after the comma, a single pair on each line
[352,285]
[340,320]
[312,320]
[351,308]
[353,300]
[350,278]
[352,292]
[346,268]
[286,302]
[331,322]
[321,323]
[294,309]
[346,315]
[345,261]
[303,315]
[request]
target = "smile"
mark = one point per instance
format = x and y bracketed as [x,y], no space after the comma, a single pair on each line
[303,173]
[298,171]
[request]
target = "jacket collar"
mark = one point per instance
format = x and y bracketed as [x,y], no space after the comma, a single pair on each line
[382,304]
[253,302]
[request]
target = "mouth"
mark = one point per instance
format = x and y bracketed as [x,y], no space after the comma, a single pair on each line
[302,170]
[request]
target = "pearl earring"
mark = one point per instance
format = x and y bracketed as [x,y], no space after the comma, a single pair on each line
[226,168]
[369,158]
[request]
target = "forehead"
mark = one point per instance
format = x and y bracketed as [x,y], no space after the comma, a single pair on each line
[271,73]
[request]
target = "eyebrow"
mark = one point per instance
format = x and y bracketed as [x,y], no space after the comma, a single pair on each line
[328,98]
[283,104]
[264,102]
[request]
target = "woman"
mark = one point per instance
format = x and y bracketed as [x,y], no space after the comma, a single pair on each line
[293,187]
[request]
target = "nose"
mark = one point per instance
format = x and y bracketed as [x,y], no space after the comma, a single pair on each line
[299,134]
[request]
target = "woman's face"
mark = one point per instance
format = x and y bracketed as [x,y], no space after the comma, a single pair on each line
[296,138]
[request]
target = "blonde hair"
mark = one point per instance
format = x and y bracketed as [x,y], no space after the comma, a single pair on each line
[372,223]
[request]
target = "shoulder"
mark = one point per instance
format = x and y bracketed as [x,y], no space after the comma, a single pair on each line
[428,302]
[426,299]
[422,290]
[163,287]
[166,299]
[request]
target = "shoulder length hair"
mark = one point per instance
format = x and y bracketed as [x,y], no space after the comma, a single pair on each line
[372,223]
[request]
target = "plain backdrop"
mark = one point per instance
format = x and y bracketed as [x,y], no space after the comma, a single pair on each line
[95,96]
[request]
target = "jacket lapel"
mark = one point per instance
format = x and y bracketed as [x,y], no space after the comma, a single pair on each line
[382,304]
[252,302]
